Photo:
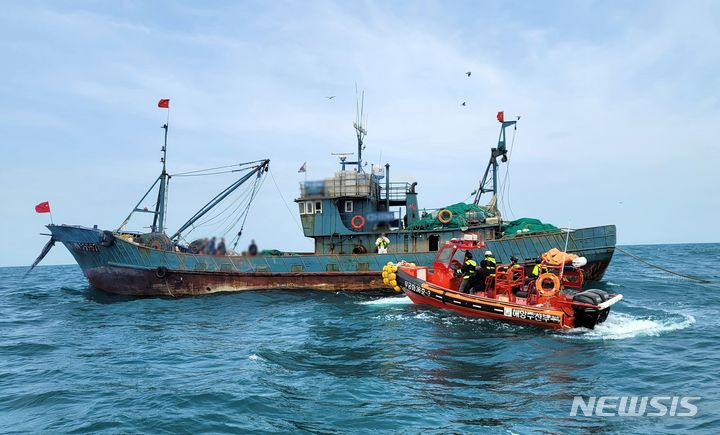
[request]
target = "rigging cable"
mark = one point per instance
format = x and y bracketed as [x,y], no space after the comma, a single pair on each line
[283,199]
[692,278]
[240,165]
[246,212]
[506,181]
[240,199]
[243,201]
[219,214]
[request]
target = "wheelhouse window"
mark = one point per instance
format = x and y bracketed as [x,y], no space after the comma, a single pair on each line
[444,255]
[302,207]
[348,206]
[318,206]
[309,207]
[459,256]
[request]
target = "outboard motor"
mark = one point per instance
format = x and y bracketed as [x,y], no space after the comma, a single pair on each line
[588,317]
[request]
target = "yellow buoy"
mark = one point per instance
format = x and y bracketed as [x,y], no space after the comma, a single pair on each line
[384,274]
[391,276]
[394,268]
[397,288]
[393,283]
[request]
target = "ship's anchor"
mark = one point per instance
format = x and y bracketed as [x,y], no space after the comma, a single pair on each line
[42,255]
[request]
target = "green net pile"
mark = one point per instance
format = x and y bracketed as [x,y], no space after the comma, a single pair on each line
[527,226]
[462,215]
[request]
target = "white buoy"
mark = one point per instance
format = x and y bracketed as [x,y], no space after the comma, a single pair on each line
[579,262]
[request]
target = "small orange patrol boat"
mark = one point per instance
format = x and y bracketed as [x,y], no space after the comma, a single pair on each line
[555,299]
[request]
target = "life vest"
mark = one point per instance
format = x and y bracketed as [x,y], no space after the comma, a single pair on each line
[536,270]
[382,242]
[469,268]
[489,264]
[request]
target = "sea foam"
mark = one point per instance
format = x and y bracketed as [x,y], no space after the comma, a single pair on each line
[391,300]
[620,326]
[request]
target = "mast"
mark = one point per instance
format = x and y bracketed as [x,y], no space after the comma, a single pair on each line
[158,225]
[360,119]
[487,185]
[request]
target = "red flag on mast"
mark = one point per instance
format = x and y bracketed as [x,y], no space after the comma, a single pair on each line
[501,116]
[164,103]
[43,207]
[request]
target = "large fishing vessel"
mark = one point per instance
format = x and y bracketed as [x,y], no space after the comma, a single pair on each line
[344,214]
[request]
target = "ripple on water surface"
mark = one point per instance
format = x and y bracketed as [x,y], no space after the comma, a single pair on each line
[78,360]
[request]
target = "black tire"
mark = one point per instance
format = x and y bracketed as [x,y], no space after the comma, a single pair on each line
[161,272]
[588,298]
[107,238]
[602,293]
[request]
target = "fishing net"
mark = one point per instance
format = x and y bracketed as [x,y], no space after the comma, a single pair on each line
[462,215]
[527,226]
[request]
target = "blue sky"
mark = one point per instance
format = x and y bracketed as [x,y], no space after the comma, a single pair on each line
[619,104]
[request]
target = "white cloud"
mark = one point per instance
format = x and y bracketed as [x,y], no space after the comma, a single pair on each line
[624,111]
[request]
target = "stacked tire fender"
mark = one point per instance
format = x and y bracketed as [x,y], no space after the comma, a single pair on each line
[389,274]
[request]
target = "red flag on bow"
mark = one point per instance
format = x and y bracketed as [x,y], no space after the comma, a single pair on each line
[164,103]
[501,116]
[43,207]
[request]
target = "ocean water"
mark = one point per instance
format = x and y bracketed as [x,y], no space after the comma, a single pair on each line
[76,360]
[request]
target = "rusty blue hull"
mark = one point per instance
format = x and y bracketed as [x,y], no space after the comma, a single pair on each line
[115,265]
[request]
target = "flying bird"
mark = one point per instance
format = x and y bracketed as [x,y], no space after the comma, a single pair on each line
[463,104]
[330,97]
[468,73]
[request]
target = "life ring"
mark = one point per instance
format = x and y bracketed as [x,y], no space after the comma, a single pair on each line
[542,279]
[357,222]
[445,216]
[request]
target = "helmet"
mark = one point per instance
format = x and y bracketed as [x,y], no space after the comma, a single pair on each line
[468,254]
[513,259]
[488,253]
[538,260]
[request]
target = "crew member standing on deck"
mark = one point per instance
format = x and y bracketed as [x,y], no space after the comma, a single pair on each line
[252,249]
[537,269]
[382,244]
[487,268]
[468,273]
